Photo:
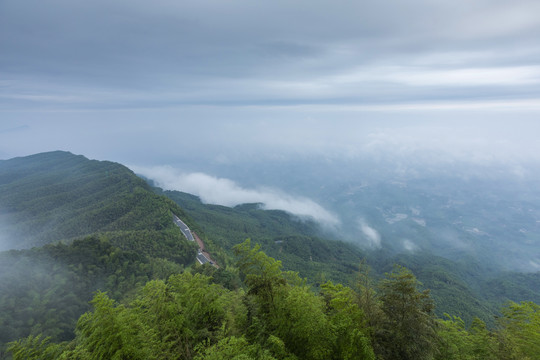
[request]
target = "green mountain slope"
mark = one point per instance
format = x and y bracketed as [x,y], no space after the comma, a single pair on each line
[276,316]
[462,288]
[124,236]
[53,196]
[294,242]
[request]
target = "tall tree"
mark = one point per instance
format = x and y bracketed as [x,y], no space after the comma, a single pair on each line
[263,274]
[347,323]
[408,329]
[521,329]
[367,297]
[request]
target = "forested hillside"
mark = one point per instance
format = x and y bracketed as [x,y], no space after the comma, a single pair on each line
[463,288]
[104,233]
[278,316]
[297,243]
[124,236]
[54,196]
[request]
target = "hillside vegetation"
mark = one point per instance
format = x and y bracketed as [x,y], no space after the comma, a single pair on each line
[463,288]
[99,232]
[278,317]
[295,242]
[101,229]
[53,196]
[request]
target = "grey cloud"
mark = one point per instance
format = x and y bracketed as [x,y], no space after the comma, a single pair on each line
[336,79]
[13,129]
[240,52]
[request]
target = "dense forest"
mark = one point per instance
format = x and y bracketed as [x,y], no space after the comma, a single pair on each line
[278,316]
[100,228]
[111,276]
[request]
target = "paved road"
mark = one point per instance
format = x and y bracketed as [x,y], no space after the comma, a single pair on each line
[203,259]
[184,228]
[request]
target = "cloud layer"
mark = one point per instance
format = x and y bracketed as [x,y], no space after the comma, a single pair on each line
[220,191]
[140,82]
[136,54]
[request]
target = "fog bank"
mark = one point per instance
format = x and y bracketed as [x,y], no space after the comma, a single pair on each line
[222,191]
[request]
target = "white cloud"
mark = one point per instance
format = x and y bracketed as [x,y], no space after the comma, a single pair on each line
[515,75]
[409,245]
[221,191]
[372,236]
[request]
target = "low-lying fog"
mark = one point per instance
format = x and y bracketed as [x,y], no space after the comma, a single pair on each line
[448,187]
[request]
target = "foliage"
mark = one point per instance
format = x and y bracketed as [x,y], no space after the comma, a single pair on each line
[53,196]
[262,273]
[517,337]
[35,348]
[311,326]
[165,321]
[233,348]
[279,317]
[45,290]
[112,332]
[461,288]
[347,323]
[521,328]
[294,242]
[408,326]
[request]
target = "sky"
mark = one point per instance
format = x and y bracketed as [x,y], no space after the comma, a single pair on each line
[79,55]
[167,83]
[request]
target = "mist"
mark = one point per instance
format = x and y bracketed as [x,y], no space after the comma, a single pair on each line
[7,241]
[214,136]
[372,236]
[222,191]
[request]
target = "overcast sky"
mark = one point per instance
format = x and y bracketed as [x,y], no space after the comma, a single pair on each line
[142,81]
[167,86]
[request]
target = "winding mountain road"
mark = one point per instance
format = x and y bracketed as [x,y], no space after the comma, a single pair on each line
[202,256]
[184,228]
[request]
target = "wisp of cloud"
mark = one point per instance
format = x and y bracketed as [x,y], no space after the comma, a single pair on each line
[409,245]
[372,236]
[221,191]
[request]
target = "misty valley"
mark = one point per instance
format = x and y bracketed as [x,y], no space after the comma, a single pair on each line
[345,261]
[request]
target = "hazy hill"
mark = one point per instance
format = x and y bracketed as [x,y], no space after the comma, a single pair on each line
[101,227]
[53,196]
